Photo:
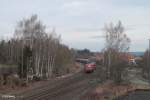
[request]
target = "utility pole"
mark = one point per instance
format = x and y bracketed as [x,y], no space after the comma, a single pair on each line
[149,61]
[22,65]
[109,63]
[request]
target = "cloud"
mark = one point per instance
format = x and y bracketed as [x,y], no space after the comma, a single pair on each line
[78,20]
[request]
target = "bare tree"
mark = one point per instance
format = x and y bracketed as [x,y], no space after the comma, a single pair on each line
[117,42]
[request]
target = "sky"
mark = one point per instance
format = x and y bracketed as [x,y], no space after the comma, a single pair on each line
[80,22]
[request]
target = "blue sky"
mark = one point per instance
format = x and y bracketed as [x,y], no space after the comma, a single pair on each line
[79,20]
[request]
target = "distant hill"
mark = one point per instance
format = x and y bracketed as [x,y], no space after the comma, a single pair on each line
[137,53]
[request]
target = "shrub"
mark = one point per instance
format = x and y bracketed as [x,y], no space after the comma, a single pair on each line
[36,78]
[1,80]
[117,71]
[11,80]
[23,83]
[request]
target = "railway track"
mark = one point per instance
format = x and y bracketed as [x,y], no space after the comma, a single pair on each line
[70,88]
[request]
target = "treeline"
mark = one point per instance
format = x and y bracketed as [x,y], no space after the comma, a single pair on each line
[84,53]
[34,51]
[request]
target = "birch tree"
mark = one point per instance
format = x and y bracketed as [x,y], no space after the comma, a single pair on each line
[43,46]
[34,50]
